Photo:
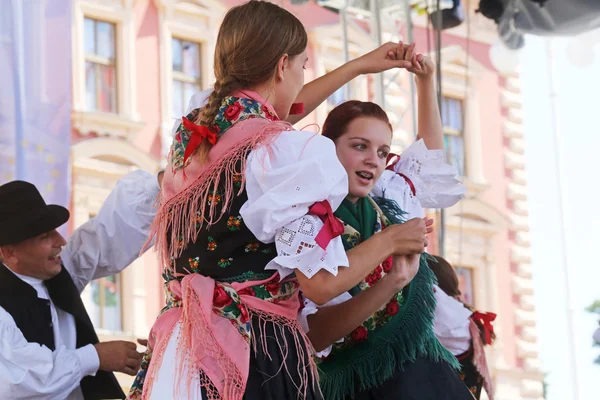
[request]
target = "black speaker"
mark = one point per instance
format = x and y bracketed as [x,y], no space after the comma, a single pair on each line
[492,9]
[450,17]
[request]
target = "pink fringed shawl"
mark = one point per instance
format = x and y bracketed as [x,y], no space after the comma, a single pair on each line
[213,345]
[184,195]
[479,360]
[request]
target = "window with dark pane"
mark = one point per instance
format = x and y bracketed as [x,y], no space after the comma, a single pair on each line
[187,74]
[454,140]
[100,66]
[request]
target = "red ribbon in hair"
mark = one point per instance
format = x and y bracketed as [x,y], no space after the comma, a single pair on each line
[485,320]
[197,135]
[332,226]
[406,178]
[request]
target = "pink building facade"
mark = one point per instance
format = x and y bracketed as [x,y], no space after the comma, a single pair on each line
[137,62]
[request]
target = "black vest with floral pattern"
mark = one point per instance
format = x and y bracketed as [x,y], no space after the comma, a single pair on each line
[227,250]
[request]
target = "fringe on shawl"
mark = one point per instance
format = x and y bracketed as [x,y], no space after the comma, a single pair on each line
[407,337]
[176,220]
[306,369]
[193,324]
[193,320]
[479,360]
[390,209]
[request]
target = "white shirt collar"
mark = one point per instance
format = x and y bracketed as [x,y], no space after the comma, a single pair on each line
[35,283]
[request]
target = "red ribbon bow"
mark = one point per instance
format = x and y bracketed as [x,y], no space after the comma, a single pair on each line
[406,178]
[485,320]
[197,135]
[332,226]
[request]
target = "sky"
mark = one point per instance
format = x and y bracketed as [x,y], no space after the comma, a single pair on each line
[577,108]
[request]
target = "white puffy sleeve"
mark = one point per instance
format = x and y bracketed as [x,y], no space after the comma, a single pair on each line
[114,238]
[421,178]
[283,180]
[451,323]
[30,371]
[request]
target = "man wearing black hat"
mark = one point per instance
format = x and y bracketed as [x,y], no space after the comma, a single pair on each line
[48,346]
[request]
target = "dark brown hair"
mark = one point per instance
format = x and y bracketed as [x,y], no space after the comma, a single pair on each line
[340,117]
[252,39]
[446,276]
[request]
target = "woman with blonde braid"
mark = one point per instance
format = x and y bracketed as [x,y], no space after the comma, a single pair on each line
[239,180]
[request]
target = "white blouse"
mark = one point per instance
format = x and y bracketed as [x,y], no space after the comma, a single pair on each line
[283,179]
[434,182]
[451,323]
[103,246]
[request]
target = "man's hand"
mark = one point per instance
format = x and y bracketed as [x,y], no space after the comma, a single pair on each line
[119,356]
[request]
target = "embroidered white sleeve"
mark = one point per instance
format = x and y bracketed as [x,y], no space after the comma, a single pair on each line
[297,249]
[311,308]
[30,371]
[435,182]
[282,181]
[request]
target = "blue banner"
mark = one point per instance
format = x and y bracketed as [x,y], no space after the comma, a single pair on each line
[35,95]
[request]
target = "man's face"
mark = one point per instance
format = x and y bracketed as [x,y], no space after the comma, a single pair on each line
[37,257]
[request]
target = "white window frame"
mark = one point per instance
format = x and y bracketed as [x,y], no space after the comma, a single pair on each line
[126,121]
[182,77]
[454,74]
[454,132]
[97,60]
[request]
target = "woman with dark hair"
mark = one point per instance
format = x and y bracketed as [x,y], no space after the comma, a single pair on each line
[463,331]
[376,341]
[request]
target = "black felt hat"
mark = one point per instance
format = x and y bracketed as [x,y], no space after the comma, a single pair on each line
[24,214]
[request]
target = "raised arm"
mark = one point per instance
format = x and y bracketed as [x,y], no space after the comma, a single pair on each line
[316,92]
[112,240]
[429,127]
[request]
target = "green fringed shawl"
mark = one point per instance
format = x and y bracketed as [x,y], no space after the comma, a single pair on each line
[408,335]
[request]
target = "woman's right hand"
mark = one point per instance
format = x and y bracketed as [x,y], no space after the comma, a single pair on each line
[409,237]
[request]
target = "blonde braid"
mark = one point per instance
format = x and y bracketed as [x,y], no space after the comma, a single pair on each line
[209,112]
